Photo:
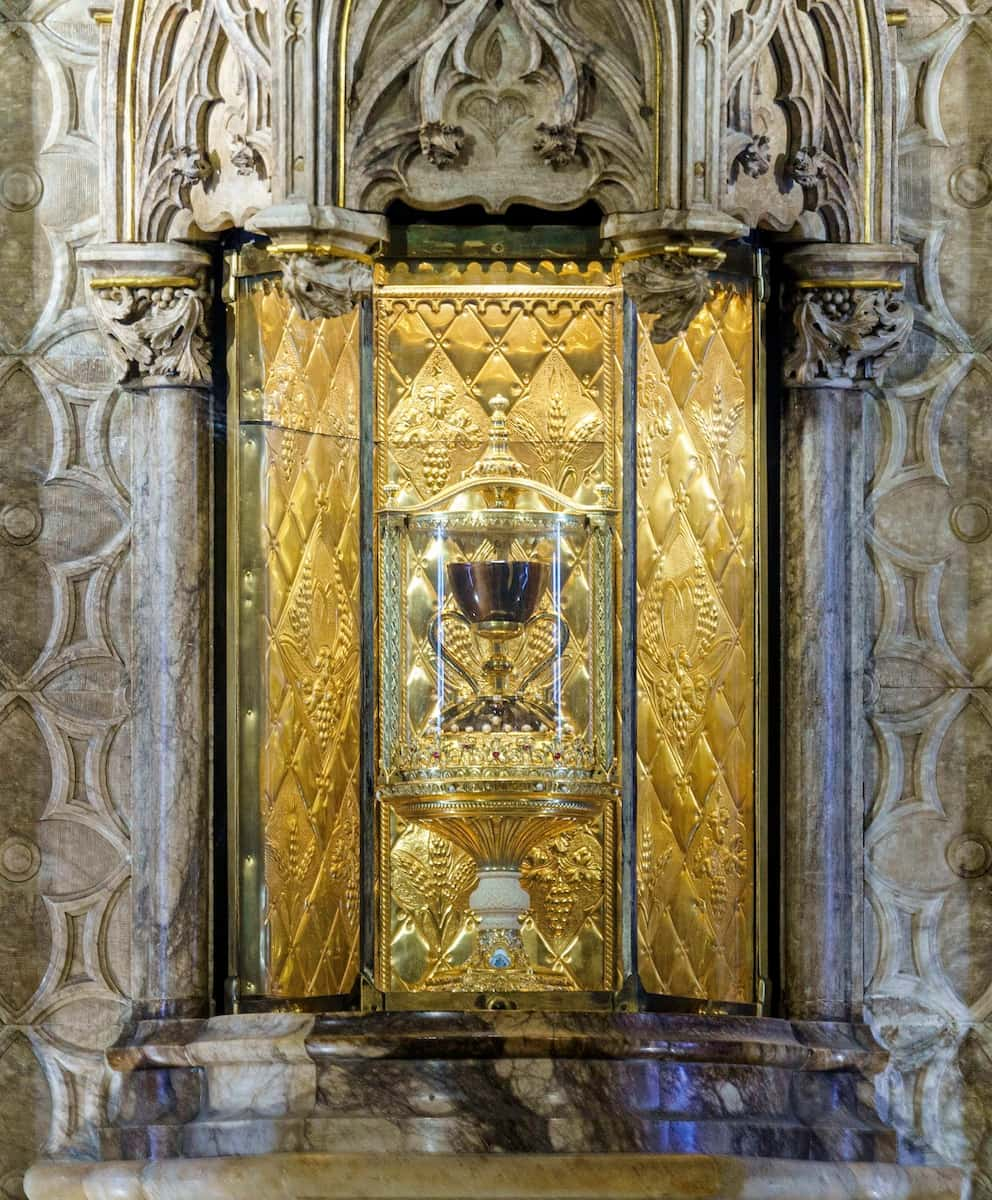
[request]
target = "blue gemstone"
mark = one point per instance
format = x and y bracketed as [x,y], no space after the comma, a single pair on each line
[499,959]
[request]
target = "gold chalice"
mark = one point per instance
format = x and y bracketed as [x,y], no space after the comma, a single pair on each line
[500,819]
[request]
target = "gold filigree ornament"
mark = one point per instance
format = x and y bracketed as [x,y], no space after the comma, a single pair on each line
[720,858]
[433,424]
[431,884]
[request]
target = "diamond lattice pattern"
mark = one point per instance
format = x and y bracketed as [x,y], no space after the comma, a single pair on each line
[449,339]
[312,644]
[696,656]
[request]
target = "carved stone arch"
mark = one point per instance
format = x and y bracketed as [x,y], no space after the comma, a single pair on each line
[809,118]
[446,103]
[187,121]
[714,114]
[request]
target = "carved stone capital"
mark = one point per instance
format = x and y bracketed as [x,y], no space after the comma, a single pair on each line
[320,286]
[672,285]
[152,304]
[325,255]
[849,320]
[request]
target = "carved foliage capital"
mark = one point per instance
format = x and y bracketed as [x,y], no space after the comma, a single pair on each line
[672,286]
[843,336]
[319,286]
[156,328]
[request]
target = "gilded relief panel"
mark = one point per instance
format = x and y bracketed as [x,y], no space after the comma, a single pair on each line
[310,646]
[449,340]
[696,655]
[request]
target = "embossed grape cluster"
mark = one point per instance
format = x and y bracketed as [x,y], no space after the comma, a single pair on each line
[838,305]
[437,464]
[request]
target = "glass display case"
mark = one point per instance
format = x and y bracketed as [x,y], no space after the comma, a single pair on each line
[497,712]
[496,657]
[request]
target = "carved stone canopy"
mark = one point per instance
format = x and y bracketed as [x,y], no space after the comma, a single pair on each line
[776,113]
[687,121]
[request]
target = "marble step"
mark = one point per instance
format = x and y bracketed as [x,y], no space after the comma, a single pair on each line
[747,1137]
[379,1176]
[562,1087]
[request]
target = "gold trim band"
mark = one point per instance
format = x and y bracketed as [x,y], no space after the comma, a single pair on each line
[670,251]
[854,285]
[106,283]
[897,17]
[868,118]
[103,17]
[319,250]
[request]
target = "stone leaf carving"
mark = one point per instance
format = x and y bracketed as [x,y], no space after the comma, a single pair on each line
[672,287]
[156,331]
[556,144]
[190,166]
[755,159]
[807,167]
[843,335]
[441,144]
[318,286]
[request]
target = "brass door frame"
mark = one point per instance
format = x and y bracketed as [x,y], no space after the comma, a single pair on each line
[246,851]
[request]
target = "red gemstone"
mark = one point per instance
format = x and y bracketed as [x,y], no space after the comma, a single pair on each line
[557,756]
[496,754]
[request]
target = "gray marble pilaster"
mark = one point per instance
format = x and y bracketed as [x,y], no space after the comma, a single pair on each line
[171,698]
[847,322]
[822,458]
[153,304]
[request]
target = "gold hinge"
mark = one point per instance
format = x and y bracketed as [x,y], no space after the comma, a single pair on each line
[232,267]
[762,276]
[372,999]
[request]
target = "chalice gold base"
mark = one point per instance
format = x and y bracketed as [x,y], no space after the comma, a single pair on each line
[498,830]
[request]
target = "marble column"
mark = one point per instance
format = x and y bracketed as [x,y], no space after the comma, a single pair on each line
[848,322]
[152,302]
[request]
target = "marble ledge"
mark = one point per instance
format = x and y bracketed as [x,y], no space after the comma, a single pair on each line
[289,1037]
[489,1177]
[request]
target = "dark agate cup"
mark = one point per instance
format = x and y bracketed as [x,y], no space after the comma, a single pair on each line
[497,592]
